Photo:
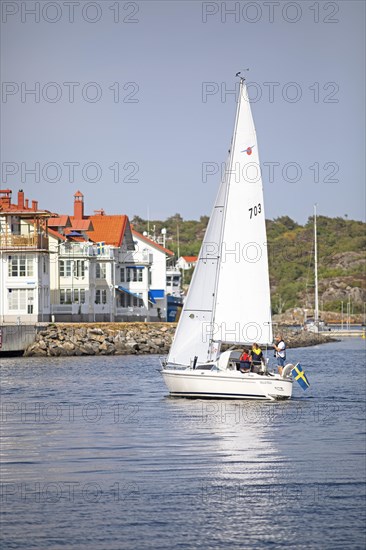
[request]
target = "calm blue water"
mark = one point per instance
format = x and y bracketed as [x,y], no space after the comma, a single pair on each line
[96,456]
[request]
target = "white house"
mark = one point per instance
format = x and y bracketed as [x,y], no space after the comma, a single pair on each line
[77,268]
[102,270]
[89,269]
[157,255]
[186,262]
[24,261]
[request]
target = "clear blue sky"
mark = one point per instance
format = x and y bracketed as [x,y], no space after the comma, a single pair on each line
[169,52]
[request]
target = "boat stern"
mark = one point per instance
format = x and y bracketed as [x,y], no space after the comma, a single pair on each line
[280,389]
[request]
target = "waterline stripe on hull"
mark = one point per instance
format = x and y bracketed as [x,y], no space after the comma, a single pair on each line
[261,379]
[229,395]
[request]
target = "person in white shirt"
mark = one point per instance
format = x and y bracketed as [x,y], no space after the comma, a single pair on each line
[280,351]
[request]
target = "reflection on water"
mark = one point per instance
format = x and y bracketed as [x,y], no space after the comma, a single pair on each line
[95,455]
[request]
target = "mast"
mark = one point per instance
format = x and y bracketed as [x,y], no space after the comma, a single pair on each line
[227,178]
[316,309]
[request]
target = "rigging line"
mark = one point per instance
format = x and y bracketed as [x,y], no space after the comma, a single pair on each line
[307,274]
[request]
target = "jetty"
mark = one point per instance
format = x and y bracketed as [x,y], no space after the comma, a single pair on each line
[75,339]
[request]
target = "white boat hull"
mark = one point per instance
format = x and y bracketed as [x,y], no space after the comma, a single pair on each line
[226,384]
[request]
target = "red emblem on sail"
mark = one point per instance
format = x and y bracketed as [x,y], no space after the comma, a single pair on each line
[248,150]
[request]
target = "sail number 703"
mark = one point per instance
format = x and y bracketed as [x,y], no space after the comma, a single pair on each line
[255,210]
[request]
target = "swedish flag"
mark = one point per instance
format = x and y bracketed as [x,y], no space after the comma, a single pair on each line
[100,248]
[300,376]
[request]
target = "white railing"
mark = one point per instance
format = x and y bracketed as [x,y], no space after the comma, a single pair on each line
[86,250]
[138,258]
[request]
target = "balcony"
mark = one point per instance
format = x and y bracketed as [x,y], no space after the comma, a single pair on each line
[138,257]
[25,242]
[85,250]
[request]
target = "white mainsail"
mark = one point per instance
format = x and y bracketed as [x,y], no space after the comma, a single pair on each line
[243,306]
[229,296]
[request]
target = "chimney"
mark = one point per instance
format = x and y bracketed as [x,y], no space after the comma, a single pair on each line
[100,212]
[35,205]
[21,199]
[27,203]
[5,198]
[78,206]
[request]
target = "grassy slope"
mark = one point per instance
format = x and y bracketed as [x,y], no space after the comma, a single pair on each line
[341,246]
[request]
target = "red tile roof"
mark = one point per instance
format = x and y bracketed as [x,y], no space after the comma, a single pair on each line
[60,221]
[6,206]
[152,243]
[108,229]
[81,225]
[99,227]
[190,258]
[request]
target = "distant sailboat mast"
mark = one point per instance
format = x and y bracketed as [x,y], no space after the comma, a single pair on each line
[316,310]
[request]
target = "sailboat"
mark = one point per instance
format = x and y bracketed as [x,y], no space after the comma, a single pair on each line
[228,301]
[315,325]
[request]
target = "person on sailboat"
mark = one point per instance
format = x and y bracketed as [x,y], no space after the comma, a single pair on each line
[257,357]
[245,361]
[280,352]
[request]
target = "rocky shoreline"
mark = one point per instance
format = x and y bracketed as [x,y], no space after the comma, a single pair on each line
[127,338]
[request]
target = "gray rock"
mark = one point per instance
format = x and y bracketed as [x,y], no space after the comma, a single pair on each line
[68,346]
[54,351]
[87,349]
[39,352]
[106,348]
[95,331]
[97,338]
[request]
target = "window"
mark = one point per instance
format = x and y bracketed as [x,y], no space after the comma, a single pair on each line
[79,296]
[15,225]
[20,266]
[100,296]
[79,268]
[123,275]
[82,296]
[137,300]
[76,295]
[65,268]
[134,275]
[21,299]
[100,270]
[65,296]
[127,300]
